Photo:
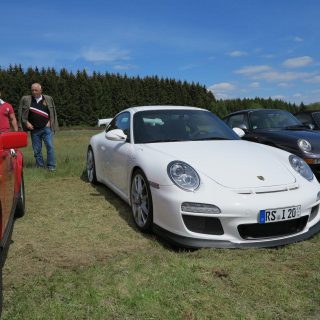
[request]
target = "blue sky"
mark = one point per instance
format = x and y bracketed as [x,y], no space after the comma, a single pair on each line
[236,48]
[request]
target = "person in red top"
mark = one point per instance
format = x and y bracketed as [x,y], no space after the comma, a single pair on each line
[7,117]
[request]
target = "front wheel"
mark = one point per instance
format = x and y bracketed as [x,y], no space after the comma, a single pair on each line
[141,202]
[21,203]
[91,167]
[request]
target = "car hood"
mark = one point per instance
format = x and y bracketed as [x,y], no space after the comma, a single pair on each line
[293,135]
[234,164]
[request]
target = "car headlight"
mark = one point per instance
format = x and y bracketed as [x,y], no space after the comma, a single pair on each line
[304,145]
[183,175]
[301,167]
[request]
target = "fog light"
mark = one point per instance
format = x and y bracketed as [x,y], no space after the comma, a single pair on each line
[199,208]
[318,196]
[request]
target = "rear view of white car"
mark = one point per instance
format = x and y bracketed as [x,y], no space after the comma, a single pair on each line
[188,177]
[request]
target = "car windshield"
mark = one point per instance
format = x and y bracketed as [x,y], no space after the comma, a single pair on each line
[316,116]
[179,125]
[273,119]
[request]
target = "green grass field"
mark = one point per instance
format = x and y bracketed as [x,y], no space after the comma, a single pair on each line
[77,255]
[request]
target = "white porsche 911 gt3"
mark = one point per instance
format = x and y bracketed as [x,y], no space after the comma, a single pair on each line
[190,178]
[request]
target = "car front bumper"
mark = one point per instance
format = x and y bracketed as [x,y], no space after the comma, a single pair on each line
[226,229]
[187,242]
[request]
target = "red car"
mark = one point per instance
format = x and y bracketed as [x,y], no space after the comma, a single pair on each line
[12,200]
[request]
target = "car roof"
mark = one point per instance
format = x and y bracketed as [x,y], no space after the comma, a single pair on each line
[307,111]
[252,110]
[161,107]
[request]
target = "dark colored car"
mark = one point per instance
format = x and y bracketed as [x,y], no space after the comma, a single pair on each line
[12,200]
[308,118]
[281,129]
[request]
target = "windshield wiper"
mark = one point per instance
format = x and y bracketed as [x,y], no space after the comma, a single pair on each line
[180,140]
[210,138]
[165,140]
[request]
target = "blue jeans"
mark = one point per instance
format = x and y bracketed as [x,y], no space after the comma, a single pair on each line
[45,134]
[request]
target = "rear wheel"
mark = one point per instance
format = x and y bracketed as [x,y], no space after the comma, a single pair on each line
[141,201]
[91,167]
[21,204]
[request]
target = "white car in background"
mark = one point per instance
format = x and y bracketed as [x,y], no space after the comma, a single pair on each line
[190,178]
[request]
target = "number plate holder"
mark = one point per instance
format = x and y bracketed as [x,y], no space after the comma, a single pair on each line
[279,214]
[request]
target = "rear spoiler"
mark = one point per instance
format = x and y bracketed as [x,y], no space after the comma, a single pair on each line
[105,122]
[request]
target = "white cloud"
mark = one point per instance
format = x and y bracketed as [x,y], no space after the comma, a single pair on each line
[283,85]
[297,95]
[267,73]
[40,58]
[315,79]
[268,56]
[237,53]
[281,76]
[298,62]
[223,86]
[298,39]
[222,90]
[278,97]
[123,67]
[188,67]
[109,55]
[250,70]
[255,84]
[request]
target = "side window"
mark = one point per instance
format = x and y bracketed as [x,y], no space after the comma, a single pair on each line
[121,121]
[316,117]
[237,120]
[305,118]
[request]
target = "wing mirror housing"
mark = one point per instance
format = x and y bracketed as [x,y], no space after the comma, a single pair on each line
[243,127]
[104,122]
[310,125]
[116,135]
[13,140]
[240,132]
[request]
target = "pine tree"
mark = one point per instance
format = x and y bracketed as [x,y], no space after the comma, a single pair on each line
[82,98]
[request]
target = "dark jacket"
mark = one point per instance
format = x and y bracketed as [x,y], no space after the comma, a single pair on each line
[23,112]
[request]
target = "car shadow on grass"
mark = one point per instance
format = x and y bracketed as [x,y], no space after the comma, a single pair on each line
[124,212]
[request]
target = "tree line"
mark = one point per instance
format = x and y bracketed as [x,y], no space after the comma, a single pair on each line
[81,98]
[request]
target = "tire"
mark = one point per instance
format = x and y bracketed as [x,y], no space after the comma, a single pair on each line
[141,202]
[21,203]
[91,167]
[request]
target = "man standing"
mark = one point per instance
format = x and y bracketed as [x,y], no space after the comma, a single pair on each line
[7,117]
[37,113]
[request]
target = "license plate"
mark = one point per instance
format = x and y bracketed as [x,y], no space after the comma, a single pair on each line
[280,214]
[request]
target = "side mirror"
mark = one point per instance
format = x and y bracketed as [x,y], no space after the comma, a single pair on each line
[13,140]
[105,122]
[310,125]
[239,132]
[116,135]
[242,126]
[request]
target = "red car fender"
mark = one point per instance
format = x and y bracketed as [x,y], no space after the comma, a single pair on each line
[18,166]
[15,140]
[1,195]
